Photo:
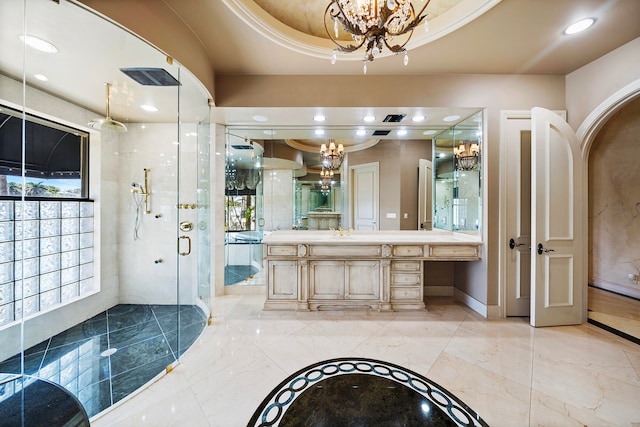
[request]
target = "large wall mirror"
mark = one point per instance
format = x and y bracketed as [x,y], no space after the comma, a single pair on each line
[429,171]
[457,177]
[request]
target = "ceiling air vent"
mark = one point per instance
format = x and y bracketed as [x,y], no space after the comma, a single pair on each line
[151,76]
[394,118]
[242,147]
[381,132]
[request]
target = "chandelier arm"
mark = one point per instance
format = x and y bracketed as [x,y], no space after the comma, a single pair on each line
[422,10]
[397,48]
[346,25]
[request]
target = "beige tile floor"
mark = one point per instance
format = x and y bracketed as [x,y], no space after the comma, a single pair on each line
[509,373]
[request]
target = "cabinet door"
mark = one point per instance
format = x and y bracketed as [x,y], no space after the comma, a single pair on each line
[362,280]
[326,280]
[283,279]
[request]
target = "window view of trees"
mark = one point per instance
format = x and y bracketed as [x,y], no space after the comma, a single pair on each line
[240,213]
[12,186]
[40,158]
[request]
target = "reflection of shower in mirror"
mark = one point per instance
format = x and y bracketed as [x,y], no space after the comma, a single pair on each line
[141,196]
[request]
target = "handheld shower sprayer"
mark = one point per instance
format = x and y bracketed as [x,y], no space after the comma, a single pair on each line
[141,195]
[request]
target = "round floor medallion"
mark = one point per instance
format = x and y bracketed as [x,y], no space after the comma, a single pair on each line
[358,391]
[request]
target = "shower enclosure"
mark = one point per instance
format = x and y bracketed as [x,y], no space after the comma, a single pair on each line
[117,262]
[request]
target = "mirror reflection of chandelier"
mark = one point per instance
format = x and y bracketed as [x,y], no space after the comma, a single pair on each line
[332,155]
[373,24]
[467,155]
[326,173]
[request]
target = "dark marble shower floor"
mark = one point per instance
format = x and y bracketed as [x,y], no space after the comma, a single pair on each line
[82,359]
[238,273]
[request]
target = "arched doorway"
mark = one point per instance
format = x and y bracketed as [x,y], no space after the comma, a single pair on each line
[611,153]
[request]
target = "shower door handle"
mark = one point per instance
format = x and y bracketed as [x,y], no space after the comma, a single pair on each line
[188,245]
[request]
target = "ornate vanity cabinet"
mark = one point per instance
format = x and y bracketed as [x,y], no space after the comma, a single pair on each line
[338,270]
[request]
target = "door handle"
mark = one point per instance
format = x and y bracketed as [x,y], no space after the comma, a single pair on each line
[188,245]
[513,244]
[542,249]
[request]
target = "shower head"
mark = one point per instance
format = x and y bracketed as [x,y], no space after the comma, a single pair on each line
[107,123]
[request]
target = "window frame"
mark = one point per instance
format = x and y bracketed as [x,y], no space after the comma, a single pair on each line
[84,154]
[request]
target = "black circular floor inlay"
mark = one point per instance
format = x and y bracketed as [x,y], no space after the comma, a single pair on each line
[361,392]
[33,402]
[361,399]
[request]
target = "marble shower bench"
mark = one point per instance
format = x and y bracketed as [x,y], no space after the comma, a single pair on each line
[379,270]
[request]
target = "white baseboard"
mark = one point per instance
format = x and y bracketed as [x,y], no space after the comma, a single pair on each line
[438,291]
[470,302]
[617,288]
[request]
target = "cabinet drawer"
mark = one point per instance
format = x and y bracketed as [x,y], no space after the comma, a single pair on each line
[406,293]
[282,250]
[453,251]
[404,279]
[405,265]
[406,250]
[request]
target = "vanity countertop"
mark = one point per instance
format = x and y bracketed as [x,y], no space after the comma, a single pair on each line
[368,237]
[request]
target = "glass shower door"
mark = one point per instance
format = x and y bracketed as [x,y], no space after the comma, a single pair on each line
[96,297]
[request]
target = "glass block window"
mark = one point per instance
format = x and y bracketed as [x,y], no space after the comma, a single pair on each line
[46,255]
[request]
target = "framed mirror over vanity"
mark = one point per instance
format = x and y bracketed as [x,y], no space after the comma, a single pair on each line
[308,267]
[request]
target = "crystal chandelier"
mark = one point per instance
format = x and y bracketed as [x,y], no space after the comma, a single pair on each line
[331,156]
[373,24]
[467,155]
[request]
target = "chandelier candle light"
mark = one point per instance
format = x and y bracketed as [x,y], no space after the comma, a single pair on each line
[374,23]
[332,156]
[466,156]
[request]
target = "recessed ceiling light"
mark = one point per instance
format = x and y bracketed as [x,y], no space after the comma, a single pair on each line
[429,132]
[260,118]
[361,132]
[418,118]
[579,26]
[41,77]
[401,132]
[369,118]
[269,132]
[319,118]
[150,108]
[452,118]
[38,43]
[319,132]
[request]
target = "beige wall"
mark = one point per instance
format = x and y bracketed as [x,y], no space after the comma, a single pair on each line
[614,203]
[592,84]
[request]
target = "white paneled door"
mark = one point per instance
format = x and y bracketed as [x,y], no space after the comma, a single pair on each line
[517,136]
[364,179]
[557,297]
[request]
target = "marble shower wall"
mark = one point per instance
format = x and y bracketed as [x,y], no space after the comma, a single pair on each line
[614,203]
[153,146]
[278,199]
